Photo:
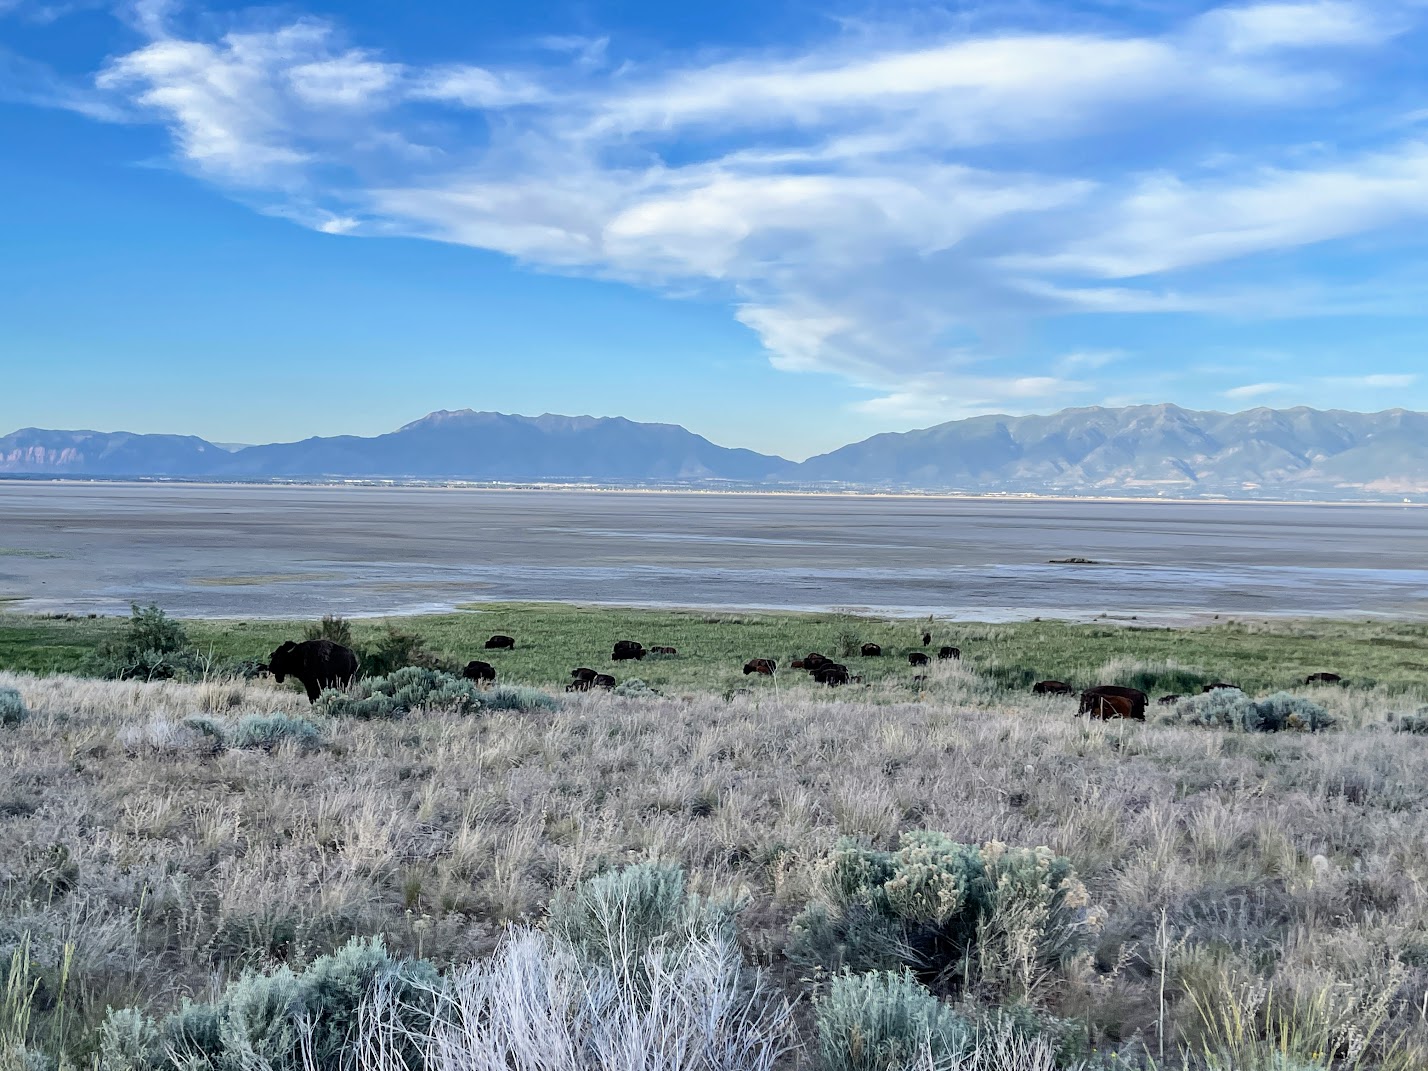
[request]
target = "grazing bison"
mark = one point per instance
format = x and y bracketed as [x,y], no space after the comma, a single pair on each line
[917,658]
[953,653]
[627,649]
[1052,688]
[926,639]
[500,643]
[766,666]
[1169,700]
[797,663]
[318,664]
[811,662]
[479,671]
[831,674]
[1220,684]
[584,673]
[583,684]
[1323,678]
[663,650]
[1093,702]
[603,680]
[871,650]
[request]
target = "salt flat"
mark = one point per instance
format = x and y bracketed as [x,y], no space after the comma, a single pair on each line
[271,551]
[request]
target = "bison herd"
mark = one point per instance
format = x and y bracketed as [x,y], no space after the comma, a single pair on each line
[321,664]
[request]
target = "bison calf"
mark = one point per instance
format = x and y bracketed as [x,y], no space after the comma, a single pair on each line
[1052,688]
[766,666]
[500,643]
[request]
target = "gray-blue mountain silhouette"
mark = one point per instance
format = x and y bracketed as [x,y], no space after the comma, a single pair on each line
[1140,450]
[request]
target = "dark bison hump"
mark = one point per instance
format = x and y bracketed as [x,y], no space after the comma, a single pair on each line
[950,652]
[917,658]
[479,671]
[496,643]
[871,650]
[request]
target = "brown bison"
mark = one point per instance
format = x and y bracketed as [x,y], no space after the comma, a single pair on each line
[953,653]
[318,664]
[871,650]
[917,658]
[811,662]
[831,674]
[1323,678]
[926,639]
[1220,684]
[797,663]
[479,671]
[1112,701]
[1169,700]
[663,650]
[1052,688]
[584,673]
[500,643]
[766,666]
[603,680]
[627,649]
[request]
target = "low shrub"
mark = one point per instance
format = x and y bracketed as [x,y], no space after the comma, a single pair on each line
[396,650]
[12,707]
[886,1021]
[398,693]
[280,1021]
[1230,708]
[153,647]
[332,627]
[267,731]
[515,697]
[634,688]
[1416,722]
[1004,917]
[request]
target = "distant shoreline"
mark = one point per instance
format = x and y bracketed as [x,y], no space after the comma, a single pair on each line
[396,484]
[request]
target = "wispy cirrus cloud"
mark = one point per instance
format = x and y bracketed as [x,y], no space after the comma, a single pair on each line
[894,211]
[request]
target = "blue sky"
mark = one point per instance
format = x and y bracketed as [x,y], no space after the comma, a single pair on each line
[785,225]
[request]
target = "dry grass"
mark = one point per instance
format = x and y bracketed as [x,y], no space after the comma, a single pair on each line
[1227,866]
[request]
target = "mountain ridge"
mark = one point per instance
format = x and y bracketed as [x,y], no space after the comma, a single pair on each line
[1160,450]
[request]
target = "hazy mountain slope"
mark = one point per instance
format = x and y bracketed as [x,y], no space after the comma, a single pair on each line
[494,446]
[99,453]
[1147,448]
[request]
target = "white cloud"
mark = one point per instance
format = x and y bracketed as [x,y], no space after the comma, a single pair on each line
[1379,380]
[896,215]
[1254,390]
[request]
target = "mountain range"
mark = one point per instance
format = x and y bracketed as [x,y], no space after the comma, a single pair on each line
[1159,450]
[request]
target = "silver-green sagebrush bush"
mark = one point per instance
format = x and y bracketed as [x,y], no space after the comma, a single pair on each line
[515,697]
[279,1021]
[12,707]
[400,692]
[887,1021]
[267,731]
[998,917]
[1230,708]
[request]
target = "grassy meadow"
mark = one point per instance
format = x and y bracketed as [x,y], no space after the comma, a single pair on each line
[1241,902]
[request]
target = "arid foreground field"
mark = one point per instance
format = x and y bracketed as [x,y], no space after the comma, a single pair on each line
[658,881]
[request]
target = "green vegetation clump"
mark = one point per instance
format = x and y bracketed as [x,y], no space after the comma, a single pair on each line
[153,647]
[517,698]
[949,911]
[267,731]
[332,627]
[397,649]
[887,1021]
[400,692]
[12,707]
[281,1021]
[634,688]
[1230,708]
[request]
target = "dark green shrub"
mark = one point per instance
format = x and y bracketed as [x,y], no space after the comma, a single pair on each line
[331,627]
[153,647]
[396,650]
[267,731]
[12,708]
[279,1021]
[948,911]
[886,1021]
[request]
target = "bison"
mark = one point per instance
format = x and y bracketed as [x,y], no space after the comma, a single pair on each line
[1097,702]
[500,643]
[479,671]
[917,658]
[1323,678]
[1052,688]
[663,650]
[953,653]
[811,662]
[318,664]
[870,650]
[603,680]
[583,684]
[926,639]
[584,673]
[766,666]
[797,663]
[831,674]
[1169,700]
[627,649]
[1214,685]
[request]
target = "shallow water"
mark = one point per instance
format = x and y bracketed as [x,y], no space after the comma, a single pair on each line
[255,551]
